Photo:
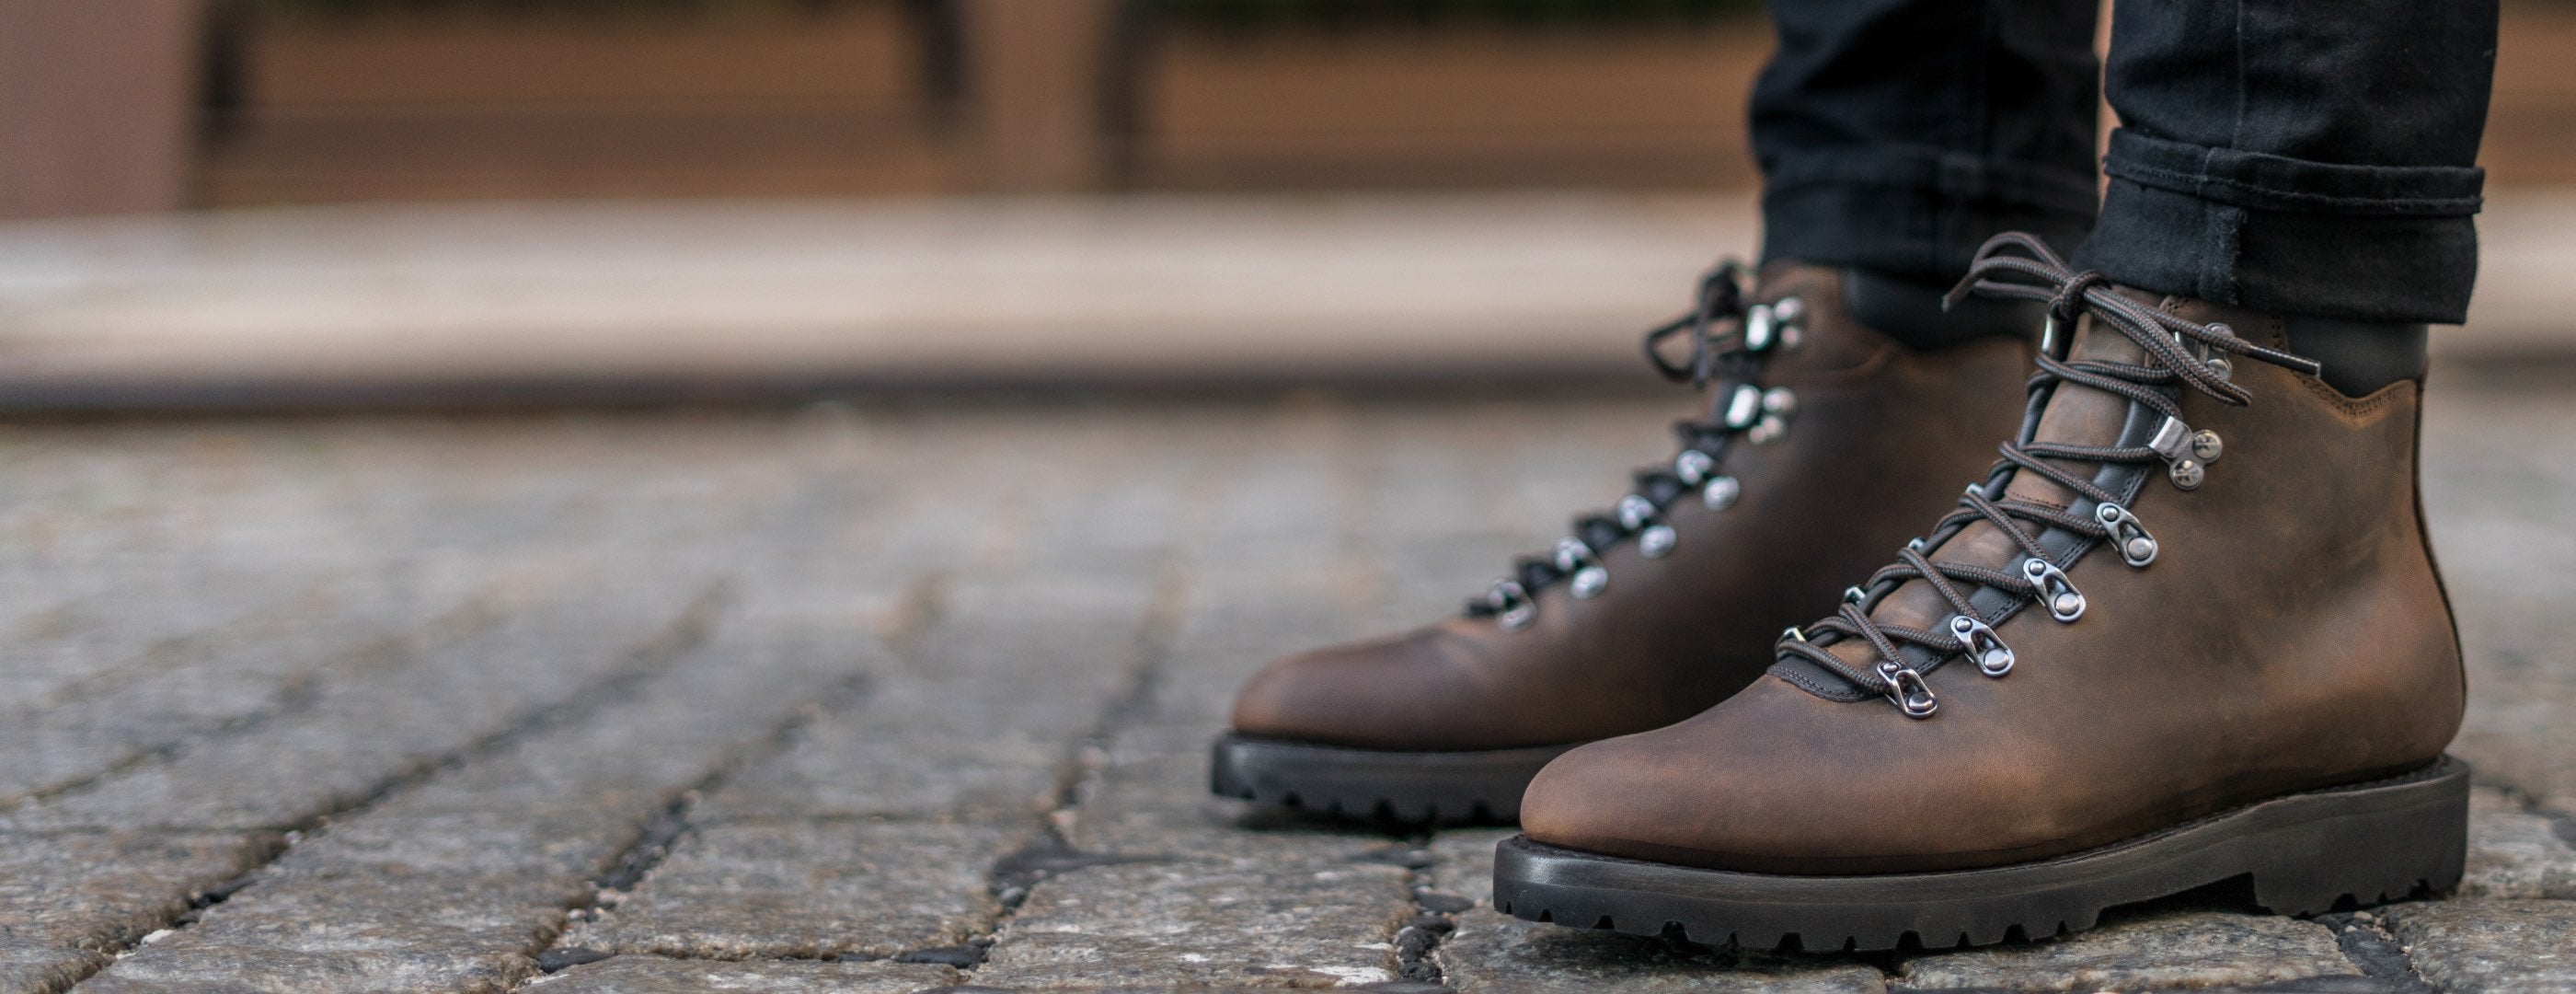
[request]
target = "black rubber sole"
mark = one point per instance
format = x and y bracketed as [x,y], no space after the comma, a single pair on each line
[1442,787]
[2305,853]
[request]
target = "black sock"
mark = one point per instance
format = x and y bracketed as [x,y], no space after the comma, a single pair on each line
[2360,356]
[1911,312]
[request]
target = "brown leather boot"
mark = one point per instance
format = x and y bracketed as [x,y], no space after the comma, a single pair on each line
[2189,631]
[1820,452]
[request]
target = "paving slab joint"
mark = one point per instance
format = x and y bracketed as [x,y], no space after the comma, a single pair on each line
[662,831]
[1432,917]
[293,698]
[295,694]
[2370,947]
[686,630]
[1049,852]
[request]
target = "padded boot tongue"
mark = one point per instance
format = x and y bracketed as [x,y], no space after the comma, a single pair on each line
[2079,415]
[2073,415]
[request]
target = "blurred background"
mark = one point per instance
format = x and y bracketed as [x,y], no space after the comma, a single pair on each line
[228,201]
[855,449]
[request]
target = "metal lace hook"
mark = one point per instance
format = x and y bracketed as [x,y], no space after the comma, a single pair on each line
[1906,689]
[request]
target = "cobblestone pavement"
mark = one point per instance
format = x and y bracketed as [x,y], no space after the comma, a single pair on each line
[884,699]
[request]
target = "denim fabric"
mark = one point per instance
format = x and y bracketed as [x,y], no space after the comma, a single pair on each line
[2311,157]
[1896,135]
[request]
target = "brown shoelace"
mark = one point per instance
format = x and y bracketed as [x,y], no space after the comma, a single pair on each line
[2169,342]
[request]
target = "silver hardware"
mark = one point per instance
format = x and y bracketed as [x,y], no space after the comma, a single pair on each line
[1654,538]
[1744,407]
[2174,442]
[2128,534]
[1589,576]
[1692,466]
[1791,314]
[1793,634]
[1906,689]
[1635,512]
[1993,657]
[1977,489]
[1854,595]
[1776,404]
[2172,439]
[1915,544]
[2206,445]
[2048,335]
[1657,541]
[1720,493]
[2056,592]
[1761,327]
[1512,605]
[2212,360]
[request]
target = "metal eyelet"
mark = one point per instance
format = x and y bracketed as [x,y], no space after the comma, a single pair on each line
[1793,633]
[1744,407]
[1777,404]
[1512,605]
[2056,592]
[1587,576]
[1906,689]
[1915,544]
[2207,445]
[2220,367]
[1635,512]
[1790,313]
[1639,515]
[2176,443]
[1720,493]
[1761,328]
[2128,534]
[1693,466]
[1854,595]
[1993,657]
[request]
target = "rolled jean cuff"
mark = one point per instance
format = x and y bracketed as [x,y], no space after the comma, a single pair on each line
[1918,215]
[2368,243]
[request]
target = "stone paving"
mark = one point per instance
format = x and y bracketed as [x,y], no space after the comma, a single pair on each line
[915,696]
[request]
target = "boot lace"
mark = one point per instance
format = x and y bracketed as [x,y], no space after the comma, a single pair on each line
[1729,340]
[2179,354]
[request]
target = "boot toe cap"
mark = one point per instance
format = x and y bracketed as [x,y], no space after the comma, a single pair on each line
[1714,791]
[1618,797]
[1371,694]
[1738,788]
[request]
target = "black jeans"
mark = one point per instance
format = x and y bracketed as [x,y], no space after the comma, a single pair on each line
[2311,157]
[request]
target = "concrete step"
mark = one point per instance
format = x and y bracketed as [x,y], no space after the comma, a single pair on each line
[548,302]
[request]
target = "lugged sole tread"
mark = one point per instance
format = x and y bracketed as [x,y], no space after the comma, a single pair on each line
[2303,854]
[1452,788]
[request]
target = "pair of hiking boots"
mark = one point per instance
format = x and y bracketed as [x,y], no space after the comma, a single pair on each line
[2186,630]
